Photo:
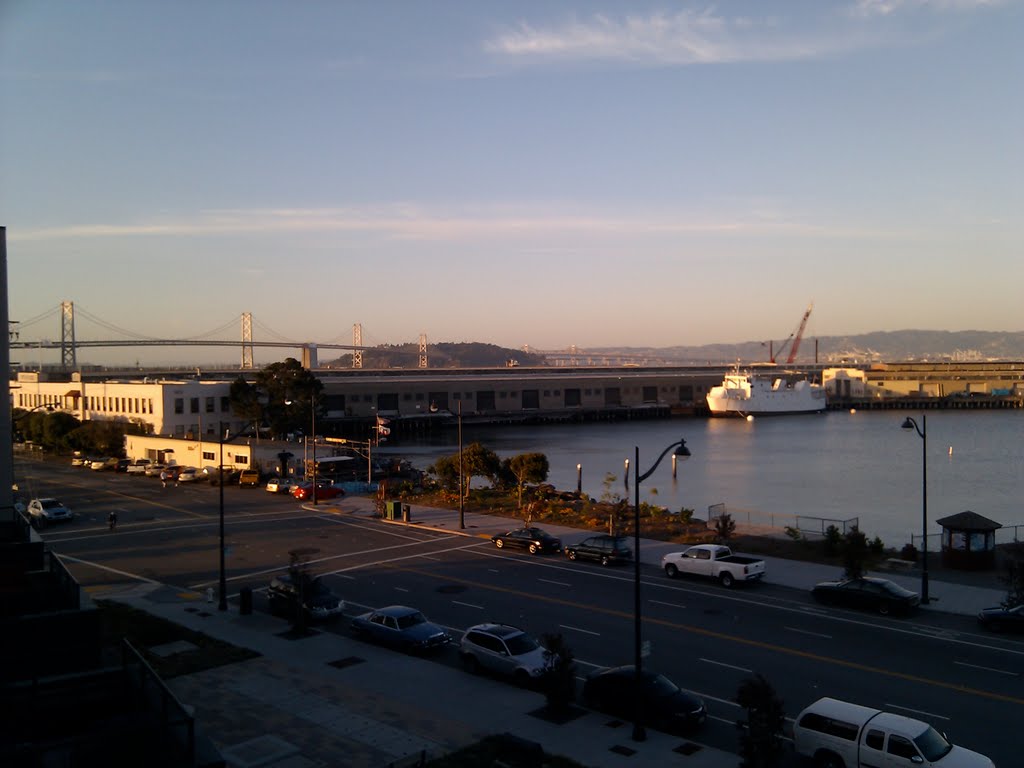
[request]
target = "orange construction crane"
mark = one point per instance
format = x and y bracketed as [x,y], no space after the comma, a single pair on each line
[795,338]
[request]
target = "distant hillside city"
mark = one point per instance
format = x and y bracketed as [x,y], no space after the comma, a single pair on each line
[862,349]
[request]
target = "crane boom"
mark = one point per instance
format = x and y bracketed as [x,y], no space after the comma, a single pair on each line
[799,335]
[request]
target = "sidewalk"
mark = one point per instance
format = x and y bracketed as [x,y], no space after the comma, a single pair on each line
[327,700]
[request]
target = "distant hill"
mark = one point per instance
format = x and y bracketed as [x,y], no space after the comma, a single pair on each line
[442,355]
[880,346]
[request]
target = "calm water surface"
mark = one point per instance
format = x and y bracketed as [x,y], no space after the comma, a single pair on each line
[836,465]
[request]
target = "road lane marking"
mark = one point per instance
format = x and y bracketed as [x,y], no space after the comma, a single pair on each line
[401,589]
[988,669]
[727,666]
[108,569]
[806,632]
[468,605]
[670,605]
[577,629]
[556,583]
[916,711]
[715,634]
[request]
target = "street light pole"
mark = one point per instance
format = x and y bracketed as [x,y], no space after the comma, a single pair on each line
[462,508]
[922,432]
[312,404]
[639,733]
[222,599]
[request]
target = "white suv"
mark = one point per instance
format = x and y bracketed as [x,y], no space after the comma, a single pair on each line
[46,511]
[503,649]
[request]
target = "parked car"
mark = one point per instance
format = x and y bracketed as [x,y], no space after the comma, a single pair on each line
[154,470]
[188,475]
[502,649]
[400,627]
[317,599]
[665,705]
[534,540]
[138,467]
[170,474]
[713,561]
[279,485]
[48,510]
[304,491]
[122,465]
[104,464]
[999,619]
[868,593]
[249,478]
[216,476]
[605,549]
[77,461]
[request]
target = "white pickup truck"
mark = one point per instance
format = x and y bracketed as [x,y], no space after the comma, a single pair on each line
[714,561]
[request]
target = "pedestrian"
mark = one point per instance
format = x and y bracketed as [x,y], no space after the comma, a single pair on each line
[112,520]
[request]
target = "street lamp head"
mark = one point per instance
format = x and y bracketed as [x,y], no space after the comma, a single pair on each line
[682,451]
[908,423]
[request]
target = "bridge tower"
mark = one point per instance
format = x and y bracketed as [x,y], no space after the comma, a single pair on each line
[247,340]
[68,358]
[423,350]
[357,342]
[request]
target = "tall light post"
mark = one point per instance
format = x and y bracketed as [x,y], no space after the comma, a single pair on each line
[922,432]
[222,599]
[462,507]
[312,408]
[681,451]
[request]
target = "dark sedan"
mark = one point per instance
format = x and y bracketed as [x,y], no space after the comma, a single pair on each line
[999,619]
[867,593]
[665,705]
[534,540]
[400,627]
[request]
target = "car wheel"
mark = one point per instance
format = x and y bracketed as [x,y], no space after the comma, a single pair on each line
[470,664]
[726,578]
[570,554]
[995,625]
[884,608]
[605,560]
[499,543]
[671,571]
[534,549]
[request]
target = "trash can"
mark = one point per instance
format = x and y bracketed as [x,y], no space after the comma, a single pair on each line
[406,513]
[245,601]
[392,510]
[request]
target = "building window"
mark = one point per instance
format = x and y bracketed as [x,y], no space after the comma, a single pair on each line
[179,430]
[194,404]
[240,459]
[179,405]
[209,456]
[225,404]
[209,404]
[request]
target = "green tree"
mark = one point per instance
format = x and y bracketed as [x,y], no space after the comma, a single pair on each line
[855,553]
[446,470]
[725,526]
[479,461]
[761,743]
[281,396]
[1013,577]
[527,468]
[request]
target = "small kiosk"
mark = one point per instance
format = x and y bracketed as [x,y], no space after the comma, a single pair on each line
[969,541]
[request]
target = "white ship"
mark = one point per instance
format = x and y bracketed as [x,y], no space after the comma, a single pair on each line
[743,394]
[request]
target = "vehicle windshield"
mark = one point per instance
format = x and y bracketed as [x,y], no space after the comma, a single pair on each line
[659,685]
[411,620]
[932,745]
[521,644]
[49,503]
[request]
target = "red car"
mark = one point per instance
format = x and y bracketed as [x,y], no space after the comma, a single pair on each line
[304,492]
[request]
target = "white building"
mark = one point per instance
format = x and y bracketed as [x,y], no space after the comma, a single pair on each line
[165,407]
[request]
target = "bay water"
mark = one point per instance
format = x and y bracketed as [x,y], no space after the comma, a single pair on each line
[837,465]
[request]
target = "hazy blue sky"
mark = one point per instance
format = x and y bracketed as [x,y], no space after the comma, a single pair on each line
[541,173]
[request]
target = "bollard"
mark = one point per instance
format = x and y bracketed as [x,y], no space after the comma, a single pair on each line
[209,594]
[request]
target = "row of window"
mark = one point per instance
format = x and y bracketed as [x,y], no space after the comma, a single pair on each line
[685,389]
[208,406]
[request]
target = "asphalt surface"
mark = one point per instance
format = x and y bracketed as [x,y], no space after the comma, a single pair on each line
[327,699]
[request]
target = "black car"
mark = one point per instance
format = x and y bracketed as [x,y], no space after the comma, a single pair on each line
[664,704]
[533,540]
[317,598]
[999,619]
[867,593]
[603,549]
[400,627]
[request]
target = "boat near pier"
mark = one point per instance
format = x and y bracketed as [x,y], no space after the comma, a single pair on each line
[758,394]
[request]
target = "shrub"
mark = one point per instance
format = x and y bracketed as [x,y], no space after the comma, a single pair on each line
[877,547]
[725,527]
[833,538]
[909,552]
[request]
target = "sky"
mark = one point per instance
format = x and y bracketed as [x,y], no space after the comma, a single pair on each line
[539,174]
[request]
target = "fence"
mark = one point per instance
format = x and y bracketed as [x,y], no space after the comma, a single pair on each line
[819,525]
[750,517]
[1008,534]
[178,724]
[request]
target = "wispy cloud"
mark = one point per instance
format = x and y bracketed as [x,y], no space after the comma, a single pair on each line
[687,37]
[869,8]
[408,221]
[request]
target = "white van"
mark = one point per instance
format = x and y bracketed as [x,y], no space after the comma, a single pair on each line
[838,734]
